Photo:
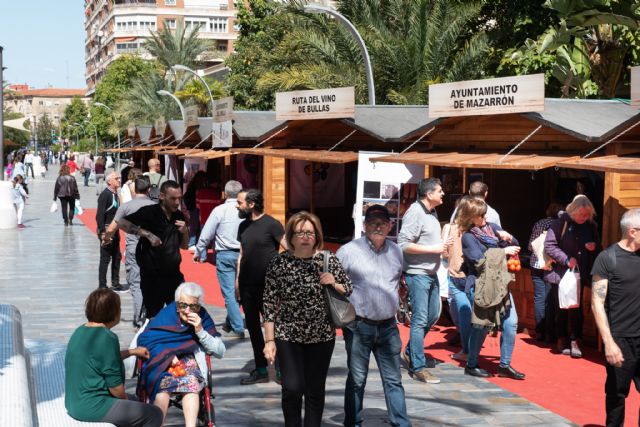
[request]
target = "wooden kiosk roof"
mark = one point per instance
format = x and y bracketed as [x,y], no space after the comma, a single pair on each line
[321,156]
[611,163]
[476,160]
[208,154]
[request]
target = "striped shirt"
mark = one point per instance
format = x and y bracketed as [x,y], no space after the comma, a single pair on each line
[375,276]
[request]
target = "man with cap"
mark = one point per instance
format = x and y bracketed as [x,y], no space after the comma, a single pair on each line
[374,265]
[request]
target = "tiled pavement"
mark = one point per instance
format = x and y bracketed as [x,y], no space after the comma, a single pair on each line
[47,270]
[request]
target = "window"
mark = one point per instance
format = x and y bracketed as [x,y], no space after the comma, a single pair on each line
[170,23]
[218,25]
[169,2]
[222,46]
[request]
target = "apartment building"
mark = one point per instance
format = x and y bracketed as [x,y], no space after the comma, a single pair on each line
[116,27]
[38,102]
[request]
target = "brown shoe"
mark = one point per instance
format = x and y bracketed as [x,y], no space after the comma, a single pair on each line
[426,377]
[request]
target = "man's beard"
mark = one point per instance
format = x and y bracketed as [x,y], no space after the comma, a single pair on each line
[244,213]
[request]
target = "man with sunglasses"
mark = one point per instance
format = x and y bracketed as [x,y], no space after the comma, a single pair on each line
[374,265]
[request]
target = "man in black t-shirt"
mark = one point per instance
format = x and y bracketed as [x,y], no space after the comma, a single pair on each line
[615,302]
[165,232]
[260,237]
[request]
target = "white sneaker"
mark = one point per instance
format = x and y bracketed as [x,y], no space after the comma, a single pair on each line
[192,248]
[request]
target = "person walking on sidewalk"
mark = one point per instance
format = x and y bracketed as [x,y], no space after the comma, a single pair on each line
[297,327]
[374,265]
[109,249]
[140,200]
[260,236]
[28,163]
[165,232]
[19,197]
[222,225]
[87,167]
[66,189]
[422,246]
[614,301]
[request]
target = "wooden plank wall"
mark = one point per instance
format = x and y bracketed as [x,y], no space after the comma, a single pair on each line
[621,193]
[274,174]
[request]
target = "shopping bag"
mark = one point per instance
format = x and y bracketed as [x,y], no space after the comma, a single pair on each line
[92,177]
[443,278]
[54,207]
[78,209]
[569,289]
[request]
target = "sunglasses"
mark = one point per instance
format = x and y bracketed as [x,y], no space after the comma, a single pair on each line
[183,306]
[307,234]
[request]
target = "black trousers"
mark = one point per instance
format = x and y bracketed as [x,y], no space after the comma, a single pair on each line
[568,323]
[67,206]
[110,254]
[304,370]
[158,288]
[619,380]
[251,301]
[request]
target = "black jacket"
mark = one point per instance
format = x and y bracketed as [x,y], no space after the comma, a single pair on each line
[66,186]
[107,206]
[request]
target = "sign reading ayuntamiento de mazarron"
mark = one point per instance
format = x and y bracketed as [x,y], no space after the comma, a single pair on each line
[335,103]
[503,95]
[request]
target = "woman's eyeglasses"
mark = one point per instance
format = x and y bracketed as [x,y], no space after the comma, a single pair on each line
[183,306]
[307,234]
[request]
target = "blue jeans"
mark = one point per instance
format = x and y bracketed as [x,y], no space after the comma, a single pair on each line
[424,293]
[226,264]
[460,308]
[541,290]
[361,339]
[509,326]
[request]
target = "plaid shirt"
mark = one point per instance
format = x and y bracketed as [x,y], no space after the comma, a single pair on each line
[538,228]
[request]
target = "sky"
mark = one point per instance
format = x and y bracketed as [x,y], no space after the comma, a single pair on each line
[43,43]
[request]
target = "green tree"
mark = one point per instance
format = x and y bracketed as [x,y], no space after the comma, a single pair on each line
[179,46]
[262,25]
[44,126]
[75,112]
[195,92]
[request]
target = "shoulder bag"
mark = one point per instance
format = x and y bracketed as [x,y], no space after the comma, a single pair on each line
[340,310]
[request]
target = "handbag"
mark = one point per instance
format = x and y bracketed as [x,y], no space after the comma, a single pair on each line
[54,207]
[537,245]
[340,310]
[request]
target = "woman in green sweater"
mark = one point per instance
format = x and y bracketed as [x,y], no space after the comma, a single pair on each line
[94,372]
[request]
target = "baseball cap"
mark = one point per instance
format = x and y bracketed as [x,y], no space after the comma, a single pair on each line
[376,212]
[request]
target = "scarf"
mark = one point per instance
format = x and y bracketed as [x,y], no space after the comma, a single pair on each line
[166,337]
[485,235]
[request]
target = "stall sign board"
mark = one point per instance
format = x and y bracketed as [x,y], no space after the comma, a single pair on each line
[191,116]
[335,103]
[131,130]
[221,134]
[223,109]
[505,95]
[635,86]
[160,125]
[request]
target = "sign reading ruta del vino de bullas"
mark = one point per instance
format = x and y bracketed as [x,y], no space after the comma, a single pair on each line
[505,95]
[335,103]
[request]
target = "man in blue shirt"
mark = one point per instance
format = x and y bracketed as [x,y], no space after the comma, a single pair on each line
[374,265]
[222,225]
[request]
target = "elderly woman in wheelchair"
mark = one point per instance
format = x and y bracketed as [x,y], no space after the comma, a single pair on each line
[178,339]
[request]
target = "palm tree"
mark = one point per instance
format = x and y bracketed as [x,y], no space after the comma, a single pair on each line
[171,47]
[412,43]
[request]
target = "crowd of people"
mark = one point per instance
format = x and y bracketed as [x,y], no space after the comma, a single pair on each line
[278,275]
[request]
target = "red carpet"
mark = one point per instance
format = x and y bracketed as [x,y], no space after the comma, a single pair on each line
[573,388]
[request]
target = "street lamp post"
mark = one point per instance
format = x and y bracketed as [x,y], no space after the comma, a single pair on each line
[81,127]
[100,104]
[189,70]
[175,98]
[312,8]
[95,129]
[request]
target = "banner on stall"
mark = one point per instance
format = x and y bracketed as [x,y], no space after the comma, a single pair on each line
[131,130]
[191,116]
[191,167]
[336,103]
[505,95]
[223,109]
[160,125]
[635,86]
[394,185]
[221,134]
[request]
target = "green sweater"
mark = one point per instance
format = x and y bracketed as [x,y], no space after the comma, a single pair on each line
[92,365]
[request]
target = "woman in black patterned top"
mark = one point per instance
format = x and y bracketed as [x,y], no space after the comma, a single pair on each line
[296,324]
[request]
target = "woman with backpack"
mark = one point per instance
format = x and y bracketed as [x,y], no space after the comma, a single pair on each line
[572,242]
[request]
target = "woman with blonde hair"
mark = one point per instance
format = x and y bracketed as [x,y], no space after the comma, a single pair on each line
[572,241]
[296,323]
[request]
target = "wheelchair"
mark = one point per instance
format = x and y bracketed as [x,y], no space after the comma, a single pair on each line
[206,411]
